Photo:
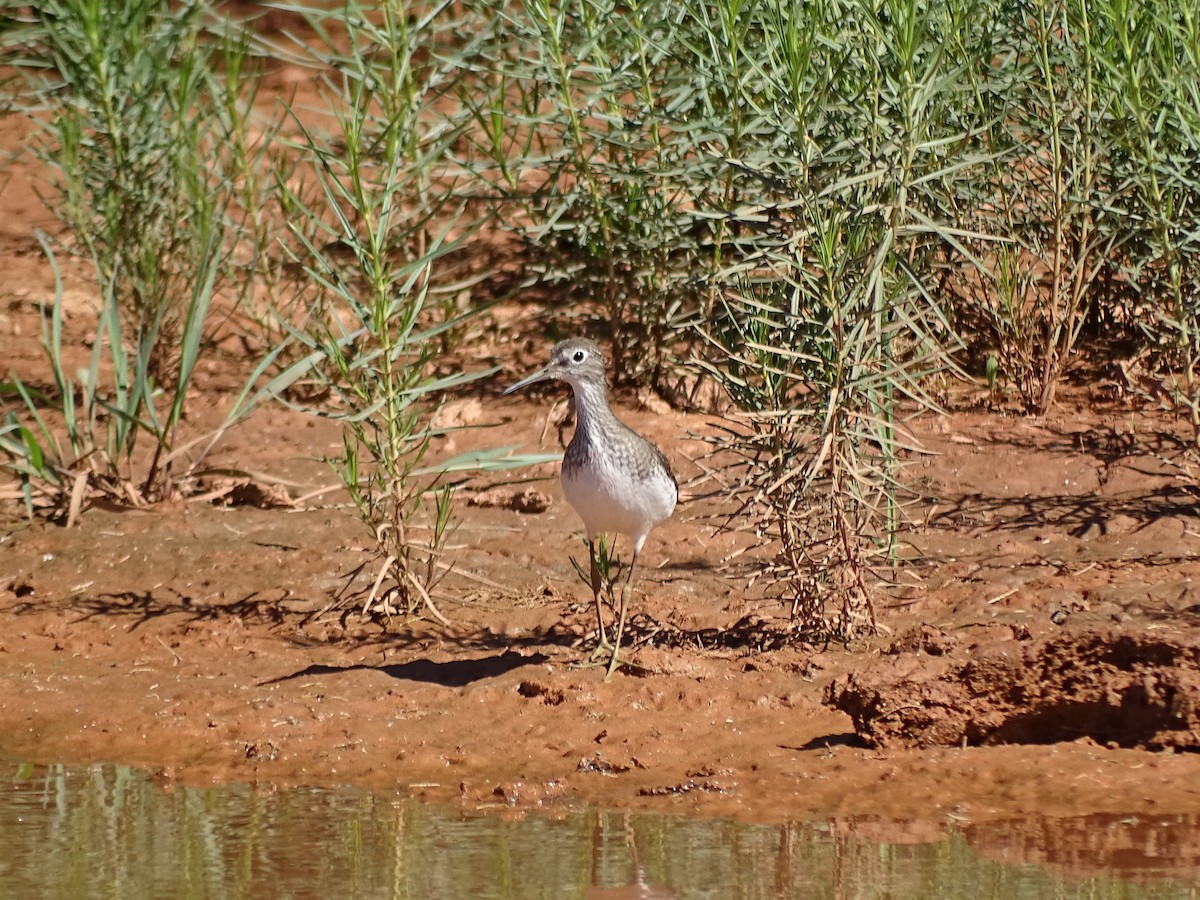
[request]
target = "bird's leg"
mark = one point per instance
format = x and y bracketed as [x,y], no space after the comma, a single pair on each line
[602,644]
[626,589]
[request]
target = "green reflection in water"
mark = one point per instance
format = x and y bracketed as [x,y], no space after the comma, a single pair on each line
[109,831]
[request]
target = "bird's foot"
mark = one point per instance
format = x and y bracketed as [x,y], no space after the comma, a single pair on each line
[601,656]
[611,659]
[603,650]
[606,655]
[613,662]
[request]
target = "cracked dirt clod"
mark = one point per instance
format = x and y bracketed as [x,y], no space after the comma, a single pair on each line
[1125,690]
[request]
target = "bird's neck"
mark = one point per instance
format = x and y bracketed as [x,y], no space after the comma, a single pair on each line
[591,409]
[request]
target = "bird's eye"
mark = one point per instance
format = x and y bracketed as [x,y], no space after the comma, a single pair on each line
[579,356]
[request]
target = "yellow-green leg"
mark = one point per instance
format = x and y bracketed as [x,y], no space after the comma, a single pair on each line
[602,644]
[615,660]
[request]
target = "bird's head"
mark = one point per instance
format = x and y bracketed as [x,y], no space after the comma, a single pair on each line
[576,361]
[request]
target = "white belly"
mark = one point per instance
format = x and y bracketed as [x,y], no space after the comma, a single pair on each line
[610,502]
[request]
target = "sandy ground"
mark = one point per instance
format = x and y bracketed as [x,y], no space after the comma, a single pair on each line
[1040,656]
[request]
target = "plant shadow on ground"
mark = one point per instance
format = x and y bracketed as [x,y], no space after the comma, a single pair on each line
[144,607]
[754,632]
[1079,514]
[1157,457]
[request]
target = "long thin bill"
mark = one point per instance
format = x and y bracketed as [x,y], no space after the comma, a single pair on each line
[539,375]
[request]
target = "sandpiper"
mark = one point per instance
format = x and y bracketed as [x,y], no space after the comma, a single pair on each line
[616,480]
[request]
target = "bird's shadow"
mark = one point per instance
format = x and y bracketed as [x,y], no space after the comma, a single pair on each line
[453,673]
[828,741]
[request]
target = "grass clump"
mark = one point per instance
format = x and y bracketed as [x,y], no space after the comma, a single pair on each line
[1149,70]
[1044,193]
[376,231]
[581,150]
[141,114]
[830,326]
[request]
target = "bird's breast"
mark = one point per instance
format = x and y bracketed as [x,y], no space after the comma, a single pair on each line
[611,498]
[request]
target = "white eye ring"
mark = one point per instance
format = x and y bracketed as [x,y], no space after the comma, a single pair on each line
[579,356]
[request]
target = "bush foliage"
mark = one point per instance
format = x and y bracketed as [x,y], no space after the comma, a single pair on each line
[823,206]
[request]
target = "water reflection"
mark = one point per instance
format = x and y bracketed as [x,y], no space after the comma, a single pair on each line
[105,831]
[1138,846]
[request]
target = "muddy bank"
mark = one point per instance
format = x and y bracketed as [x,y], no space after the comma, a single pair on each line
[1120,690]
[198,641]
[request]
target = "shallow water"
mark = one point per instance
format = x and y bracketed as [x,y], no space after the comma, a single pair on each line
[111,831]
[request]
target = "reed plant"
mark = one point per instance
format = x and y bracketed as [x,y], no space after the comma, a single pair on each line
[102,410]
[143,118]
[830,327]
[1047,192]
[128,94]
[1090,120]
[579,144]
[1148,66]
[376,227]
